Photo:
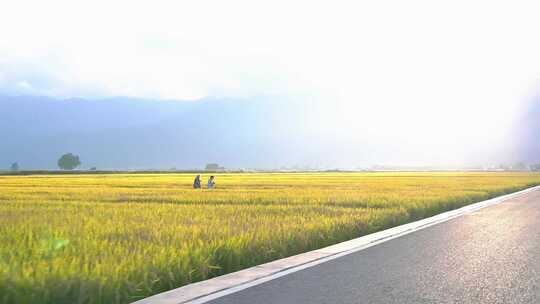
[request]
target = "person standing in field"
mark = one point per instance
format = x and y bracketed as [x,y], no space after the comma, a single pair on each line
[197,182]
[211,182]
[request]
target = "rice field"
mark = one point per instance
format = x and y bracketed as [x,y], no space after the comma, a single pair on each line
[117,238]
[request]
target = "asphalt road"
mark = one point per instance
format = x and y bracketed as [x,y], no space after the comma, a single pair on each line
[489,256]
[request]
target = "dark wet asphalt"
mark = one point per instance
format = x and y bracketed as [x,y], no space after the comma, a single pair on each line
[490,256]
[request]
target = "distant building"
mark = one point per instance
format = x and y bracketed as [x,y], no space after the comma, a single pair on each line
[214,167]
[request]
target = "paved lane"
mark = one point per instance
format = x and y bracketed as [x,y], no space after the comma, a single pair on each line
[489,256]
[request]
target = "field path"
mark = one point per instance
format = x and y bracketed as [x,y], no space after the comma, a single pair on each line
[488,256]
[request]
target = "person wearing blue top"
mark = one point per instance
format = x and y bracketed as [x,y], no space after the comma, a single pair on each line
[211,182]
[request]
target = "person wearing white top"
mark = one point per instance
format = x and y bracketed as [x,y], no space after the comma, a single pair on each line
[211,182]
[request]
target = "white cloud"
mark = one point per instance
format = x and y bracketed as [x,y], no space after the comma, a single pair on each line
[370,50]
[24,86]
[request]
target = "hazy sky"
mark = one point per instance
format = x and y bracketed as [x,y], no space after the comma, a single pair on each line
[441,72]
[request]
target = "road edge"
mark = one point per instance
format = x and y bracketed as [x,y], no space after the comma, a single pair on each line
[204,291]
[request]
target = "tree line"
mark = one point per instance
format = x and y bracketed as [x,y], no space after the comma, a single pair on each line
[68,161]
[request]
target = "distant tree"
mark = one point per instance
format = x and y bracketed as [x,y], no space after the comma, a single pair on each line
[15,167]
[93,169]
[519,166]
[68,161]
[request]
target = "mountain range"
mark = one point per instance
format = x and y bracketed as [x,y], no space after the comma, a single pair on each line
[130,133]
[261,132]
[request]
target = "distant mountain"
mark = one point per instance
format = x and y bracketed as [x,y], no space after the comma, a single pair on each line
[262,132]
[528,133]
[124,133]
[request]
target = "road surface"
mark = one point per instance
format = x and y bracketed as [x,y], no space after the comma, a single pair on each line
[489,256]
